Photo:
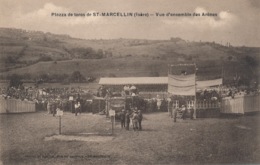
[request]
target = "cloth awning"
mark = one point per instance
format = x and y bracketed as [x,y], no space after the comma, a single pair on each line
[209,83]
[157,80]
[133,80]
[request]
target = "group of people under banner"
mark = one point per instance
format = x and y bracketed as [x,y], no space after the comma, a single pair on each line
[184,112]
[56,105]
[135,117]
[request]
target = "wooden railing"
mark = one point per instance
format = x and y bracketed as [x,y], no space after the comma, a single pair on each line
[16,106]
[241,104]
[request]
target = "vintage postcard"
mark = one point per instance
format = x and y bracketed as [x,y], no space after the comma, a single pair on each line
[129,82]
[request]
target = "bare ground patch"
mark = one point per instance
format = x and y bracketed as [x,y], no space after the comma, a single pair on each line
[92,138]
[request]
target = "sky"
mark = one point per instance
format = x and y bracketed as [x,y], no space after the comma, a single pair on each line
[236,21]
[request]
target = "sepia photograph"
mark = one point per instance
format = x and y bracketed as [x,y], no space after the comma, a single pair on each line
[129,82]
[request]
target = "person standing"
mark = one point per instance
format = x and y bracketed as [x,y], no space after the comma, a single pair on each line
[158,102]
[133,90]
[140,118]
[127,119]
[127,90]
[175,114]
[122,118]
[135,120]
[54,106]
[184,111]
[191,112]
[49,106]
[77,106]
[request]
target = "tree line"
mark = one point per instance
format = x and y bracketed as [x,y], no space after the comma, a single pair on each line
[76,77]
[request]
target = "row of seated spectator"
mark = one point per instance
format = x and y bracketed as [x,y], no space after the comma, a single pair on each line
[232,91]
[126,91]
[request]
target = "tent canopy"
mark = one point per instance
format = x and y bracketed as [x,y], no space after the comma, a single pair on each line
[209,83]
[134,80]
[152,81]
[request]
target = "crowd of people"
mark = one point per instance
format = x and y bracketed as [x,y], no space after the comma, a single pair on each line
[20,93]
[128,90]
[74,100]
[135,116]
[208,95]
[34,93]
[183,111]
[232,91]
[50,99]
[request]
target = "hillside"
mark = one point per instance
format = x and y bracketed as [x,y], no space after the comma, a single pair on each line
[36,52]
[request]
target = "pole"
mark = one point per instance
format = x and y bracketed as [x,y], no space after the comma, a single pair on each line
[59,125]
[169,68]
[195,99]
[169,107]
[112,124]
[98,105]
[106,107]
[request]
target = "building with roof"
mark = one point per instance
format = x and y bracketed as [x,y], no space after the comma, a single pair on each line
[144,84]
[149,84]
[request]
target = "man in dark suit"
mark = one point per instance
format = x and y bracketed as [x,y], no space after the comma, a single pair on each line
[140,118]
[122,118]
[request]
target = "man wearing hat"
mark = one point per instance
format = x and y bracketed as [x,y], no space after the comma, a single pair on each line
[135,120]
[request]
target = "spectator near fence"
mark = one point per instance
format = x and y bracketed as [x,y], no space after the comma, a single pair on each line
[184,111]
[77,108]
[122,118]
[49,107]
[175,114]
[135,120]
[133,90]
[127,119]
[191,112]
[127,89]
[158,102]
[140,118]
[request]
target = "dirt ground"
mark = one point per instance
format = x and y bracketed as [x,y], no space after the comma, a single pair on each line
[201,141]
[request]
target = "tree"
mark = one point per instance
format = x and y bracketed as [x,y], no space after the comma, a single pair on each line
[100,54]
[44,77]
[27,76]
[251,61]
[76,76]
[15,81]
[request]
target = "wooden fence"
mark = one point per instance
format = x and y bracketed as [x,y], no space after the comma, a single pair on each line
[199,104]
[16,106]
[208,104]
[204,109]
[241,104]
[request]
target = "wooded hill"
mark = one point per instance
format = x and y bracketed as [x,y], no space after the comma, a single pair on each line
[35,53]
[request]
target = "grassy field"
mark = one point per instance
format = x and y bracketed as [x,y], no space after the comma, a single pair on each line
[200,141]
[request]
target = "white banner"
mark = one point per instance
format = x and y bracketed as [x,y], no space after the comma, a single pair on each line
[209,83]
[181,84]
